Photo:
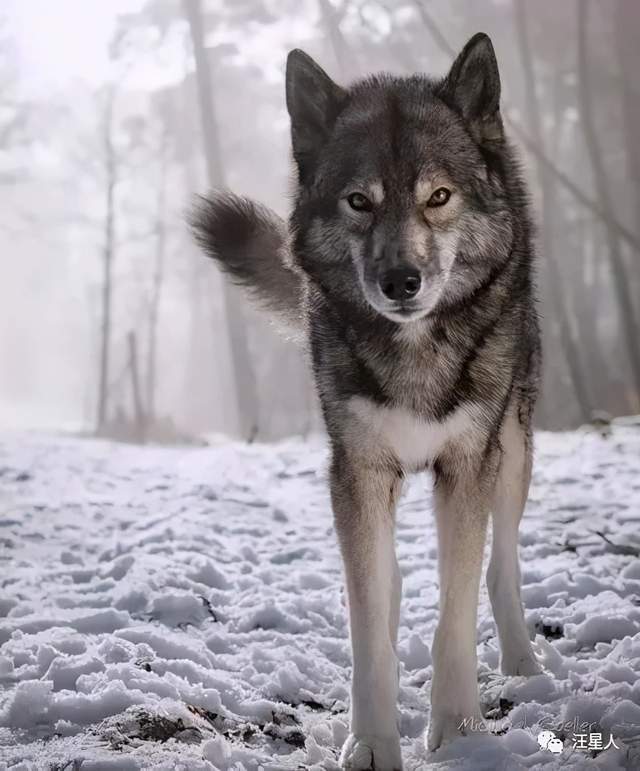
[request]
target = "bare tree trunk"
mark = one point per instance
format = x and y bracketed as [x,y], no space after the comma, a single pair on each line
[245,383]
[158,280]
[138,410]
[331,22]
[627,34]
[628,326]
[107,262]
[199,379]
[554,283]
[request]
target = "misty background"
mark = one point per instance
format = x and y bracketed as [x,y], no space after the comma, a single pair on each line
[114,114]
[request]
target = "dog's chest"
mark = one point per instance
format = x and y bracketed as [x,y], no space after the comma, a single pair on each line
[412,441]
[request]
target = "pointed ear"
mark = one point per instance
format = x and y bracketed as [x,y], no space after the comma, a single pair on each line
[473,88]
[313,103]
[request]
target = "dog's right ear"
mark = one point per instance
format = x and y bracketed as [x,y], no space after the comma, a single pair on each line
[313,102]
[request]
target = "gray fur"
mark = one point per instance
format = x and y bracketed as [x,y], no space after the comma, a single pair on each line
[250,243]
[444,379]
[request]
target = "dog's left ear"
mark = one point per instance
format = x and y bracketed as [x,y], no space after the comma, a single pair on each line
[473,88]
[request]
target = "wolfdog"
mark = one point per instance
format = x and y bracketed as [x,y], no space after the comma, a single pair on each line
[408,263]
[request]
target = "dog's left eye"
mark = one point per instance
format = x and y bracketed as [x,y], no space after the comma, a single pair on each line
[359,202]
[439,197]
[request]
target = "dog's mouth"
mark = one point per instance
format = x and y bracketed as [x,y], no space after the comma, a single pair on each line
[404,314]
[403,311]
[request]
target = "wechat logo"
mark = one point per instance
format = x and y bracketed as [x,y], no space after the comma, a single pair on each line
[548,741]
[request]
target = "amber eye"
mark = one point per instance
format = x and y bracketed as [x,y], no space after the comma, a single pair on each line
[359,202]
[439,197]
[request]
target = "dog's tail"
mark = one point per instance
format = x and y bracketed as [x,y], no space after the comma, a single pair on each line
[250,243]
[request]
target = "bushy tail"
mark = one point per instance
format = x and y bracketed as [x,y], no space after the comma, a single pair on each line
[250,244]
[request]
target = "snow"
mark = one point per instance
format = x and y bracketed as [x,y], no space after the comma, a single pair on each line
[183,609]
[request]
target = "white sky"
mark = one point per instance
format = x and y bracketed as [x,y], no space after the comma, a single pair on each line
[58,42]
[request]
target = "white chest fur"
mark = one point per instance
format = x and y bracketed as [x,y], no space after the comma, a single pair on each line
[413,442]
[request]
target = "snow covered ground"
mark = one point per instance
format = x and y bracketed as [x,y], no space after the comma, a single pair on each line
[182,609]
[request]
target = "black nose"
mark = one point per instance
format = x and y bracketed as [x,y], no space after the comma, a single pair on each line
[400,283]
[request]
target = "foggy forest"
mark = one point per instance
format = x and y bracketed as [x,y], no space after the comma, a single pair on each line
[194,573]
[112,120]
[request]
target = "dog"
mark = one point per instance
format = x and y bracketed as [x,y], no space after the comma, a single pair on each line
[408,262]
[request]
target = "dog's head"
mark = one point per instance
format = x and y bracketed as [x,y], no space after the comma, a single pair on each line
[400,180]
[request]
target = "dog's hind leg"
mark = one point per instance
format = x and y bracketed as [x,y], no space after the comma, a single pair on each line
[503,575]
[364,498]
[462,511]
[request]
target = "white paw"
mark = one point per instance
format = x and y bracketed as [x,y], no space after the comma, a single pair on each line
[445,727]
[371,753]
[525,665]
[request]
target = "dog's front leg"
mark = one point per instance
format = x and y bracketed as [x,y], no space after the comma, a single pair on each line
[461,513]
[364,496]
[503,576]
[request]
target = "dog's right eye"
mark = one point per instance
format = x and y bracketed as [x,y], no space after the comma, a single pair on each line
[359,202]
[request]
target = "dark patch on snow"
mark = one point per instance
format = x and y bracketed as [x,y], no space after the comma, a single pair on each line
[253,503]
[283,727]
[292,736]
[71,765]
[209,607]
[154,728]
[313,704]
[550,631]
[626,549]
